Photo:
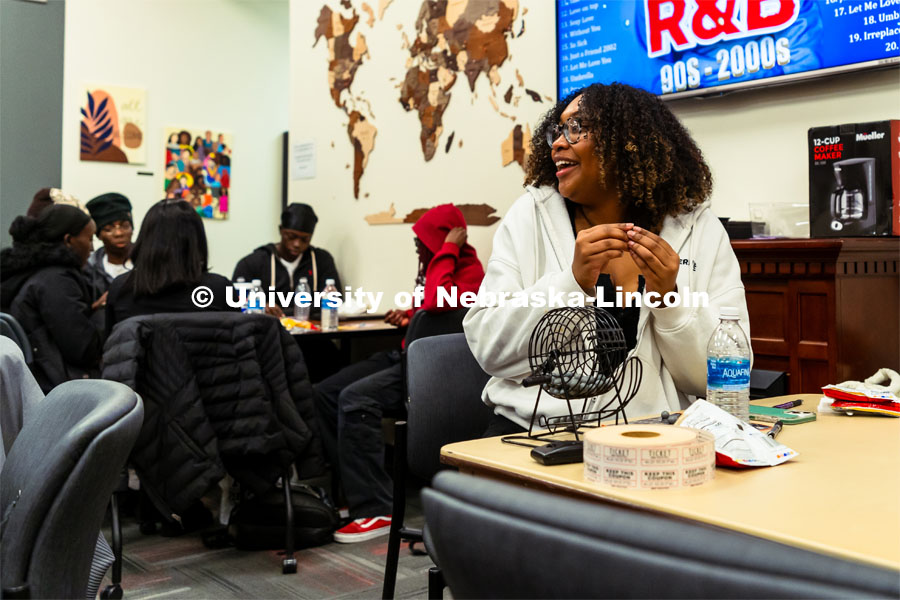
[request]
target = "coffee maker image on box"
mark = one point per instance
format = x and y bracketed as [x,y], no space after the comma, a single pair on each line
[853,200]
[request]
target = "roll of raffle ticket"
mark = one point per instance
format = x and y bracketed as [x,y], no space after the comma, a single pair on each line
[649,456]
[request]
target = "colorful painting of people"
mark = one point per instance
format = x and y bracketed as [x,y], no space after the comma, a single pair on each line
[198,170]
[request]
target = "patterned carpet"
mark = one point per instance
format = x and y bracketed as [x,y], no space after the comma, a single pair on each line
[182,567]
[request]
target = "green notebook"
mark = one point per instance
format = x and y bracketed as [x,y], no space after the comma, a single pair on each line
[790,416]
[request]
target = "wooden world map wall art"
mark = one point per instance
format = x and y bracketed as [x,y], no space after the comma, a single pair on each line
[460,39]
[475,214]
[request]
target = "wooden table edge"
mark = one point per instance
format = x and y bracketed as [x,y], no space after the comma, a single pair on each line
[449,458]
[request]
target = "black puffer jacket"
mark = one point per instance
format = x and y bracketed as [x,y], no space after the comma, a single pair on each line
[43,287]
[222,392]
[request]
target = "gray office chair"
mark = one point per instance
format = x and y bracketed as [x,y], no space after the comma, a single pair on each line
[444,383]
[11,328]
[56,483]
[496,540]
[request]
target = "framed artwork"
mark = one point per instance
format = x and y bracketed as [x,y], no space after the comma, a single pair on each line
[113,121]
[198,169]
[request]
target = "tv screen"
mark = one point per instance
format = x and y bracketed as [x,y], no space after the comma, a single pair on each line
[677,48]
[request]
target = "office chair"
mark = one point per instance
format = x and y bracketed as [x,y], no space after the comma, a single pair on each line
[56,483]
[224,392]
[442,410]
[426,324]
[11,328]
[496,540]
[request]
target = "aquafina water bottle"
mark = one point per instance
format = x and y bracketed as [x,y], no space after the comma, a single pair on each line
[728,366]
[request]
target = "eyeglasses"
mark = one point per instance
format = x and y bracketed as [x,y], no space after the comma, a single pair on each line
[571,130]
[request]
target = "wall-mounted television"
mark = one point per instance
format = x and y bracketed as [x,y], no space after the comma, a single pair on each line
[678,48]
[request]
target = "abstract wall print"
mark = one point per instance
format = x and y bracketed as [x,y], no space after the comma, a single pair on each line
[113,122]
[198,169]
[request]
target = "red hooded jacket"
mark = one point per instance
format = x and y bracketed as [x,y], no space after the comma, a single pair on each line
[451,265]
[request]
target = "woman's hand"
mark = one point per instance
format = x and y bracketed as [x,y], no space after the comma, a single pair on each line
[397,317]
[275,311]
[458,236]
[655,258]
[594,248]
[101,301]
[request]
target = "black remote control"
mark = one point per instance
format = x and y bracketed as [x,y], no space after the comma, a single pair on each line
[559,453]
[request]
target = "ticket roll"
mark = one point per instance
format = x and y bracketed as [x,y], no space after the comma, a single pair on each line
[649,456]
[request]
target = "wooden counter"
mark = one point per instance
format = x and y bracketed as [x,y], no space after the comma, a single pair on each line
[822,310]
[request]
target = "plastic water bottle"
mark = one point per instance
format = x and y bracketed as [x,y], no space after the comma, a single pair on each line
[728,366]
[241,284]
[301,313]
[329,308]
[255,304]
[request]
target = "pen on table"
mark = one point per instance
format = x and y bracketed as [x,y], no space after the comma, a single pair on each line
[790,404]
[776,428]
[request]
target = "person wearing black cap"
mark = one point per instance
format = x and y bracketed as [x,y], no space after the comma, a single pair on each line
[284,263]
[112,215]
[43,287]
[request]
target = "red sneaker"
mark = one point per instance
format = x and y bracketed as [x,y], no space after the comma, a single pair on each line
[361,530]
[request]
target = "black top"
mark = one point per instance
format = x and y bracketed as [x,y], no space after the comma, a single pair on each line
[122,303]
[626,317]
[258,265]
[44,289]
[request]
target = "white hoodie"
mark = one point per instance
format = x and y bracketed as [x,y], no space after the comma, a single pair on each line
[533,251]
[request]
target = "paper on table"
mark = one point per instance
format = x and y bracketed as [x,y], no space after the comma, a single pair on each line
[351,308]
[737,443]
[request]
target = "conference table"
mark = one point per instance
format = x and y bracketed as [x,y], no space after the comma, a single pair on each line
[357,338]
[355,327]
[840,496]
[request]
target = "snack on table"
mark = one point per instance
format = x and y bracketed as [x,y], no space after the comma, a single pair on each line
[290,323]
[850,400]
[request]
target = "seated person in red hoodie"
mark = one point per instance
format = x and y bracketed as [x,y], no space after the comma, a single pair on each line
[351,402]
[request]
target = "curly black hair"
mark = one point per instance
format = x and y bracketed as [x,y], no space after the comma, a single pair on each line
[658,168]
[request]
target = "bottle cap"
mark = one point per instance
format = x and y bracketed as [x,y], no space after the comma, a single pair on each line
[257,282]
[240,280]
[729,312]
[329,282]
[304,280]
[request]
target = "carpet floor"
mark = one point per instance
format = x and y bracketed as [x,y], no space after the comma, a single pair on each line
[182,567]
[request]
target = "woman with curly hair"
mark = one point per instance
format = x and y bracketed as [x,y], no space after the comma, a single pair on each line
[616,198]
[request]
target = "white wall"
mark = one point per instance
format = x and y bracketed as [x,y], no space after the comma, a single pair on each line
[755,141]
[218,64]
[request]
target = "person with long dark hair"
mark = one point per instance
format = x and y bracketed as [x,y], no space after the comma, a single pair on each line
[44,289]
[616,197]
[170,260]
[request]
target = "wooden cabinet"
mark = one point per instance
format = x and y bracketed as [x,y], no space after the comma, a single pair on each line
[823,310]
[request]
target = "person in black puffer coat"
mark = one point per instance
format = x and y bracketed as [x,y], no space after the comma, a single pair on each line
[223,392]
[42,286]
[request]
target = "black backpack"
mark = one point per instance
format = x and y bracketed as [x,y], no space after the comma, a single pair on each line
[258,521]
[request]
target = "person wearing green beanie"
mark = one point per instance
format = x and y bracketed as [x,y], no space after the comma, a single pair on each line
[115,228]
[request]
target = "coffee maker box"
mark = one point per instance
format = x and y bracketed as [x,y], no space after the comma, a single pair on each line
[854,179]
